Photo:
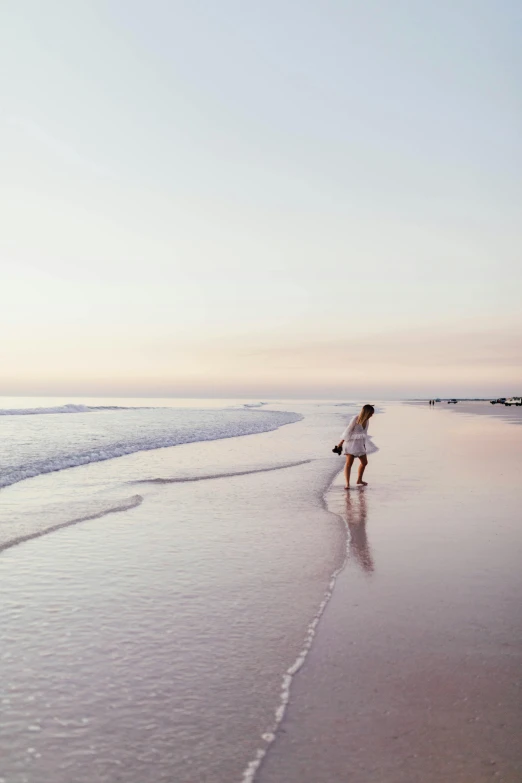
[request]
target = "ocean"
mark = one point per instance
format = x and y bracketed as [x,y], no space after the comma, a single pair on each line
[47,437]
[164,565]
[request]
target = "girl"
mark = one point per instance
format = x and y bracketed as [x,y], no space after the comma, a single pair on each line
[356,443]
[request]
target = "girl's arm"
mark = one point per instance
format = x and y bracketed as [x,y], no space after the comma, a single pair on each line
[348,431]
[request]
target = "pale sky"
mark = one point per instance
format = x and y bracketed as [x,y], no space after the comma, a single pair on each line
[276,198]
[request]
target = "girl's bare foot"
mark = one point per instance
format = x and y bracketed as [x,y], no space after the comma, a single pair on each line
[363,483]
[348,487]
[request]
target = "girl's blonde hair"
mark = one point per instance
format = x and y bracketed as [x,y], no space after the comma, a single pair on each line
[365,414]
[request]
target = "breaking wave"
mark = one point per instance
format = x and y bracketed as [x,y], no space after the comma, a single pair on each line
[42,450]
[68,408]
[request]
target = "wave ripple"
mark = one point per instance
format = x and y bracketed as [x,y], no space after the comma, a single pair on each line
[36,445]
[68,408]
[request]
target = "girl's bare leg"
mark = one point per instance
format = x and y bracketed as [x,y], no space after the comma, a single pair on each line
[347,468]
[362,466]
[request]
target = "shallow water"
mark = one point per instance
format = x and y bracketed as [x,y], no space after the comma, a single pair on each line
[44,440]
[83,460]
[151,644]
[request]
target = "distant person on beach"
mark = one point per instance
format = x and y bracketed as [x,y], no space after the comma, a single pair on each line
[356,443]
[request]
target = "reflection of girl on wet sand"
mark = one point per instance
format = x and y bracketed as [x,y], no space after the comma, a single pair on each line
[356,513]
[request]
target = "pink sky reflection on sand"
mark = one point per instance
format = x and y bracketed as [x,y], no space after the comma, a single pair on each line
[414,674]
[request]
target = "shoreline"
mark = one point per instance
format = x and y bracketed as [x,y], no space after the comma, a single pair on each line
[352,620]
[408,675]
[270,736]
[510,413]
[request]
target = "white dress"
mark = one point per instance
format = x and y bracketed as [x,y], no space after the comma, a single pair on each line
[356,439]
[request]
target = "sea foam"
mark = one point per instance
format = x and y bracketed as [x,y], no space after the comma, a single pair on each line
[36,448]
[68,408]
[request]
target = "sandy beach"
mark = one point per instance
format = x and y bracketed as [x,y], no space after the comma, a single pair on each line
[415,673]
[512,413]
[164,642]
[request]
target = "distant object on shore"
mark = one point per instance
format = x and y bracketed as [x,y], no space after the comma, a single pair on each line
[507,401]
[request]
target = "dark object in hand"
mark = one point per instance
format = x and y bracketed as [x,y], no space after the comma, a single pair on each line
[337,450]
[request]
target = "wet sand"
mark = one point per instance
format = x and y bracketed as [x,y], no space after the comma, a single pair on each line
[512,413]
[152,644]
[415,673]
